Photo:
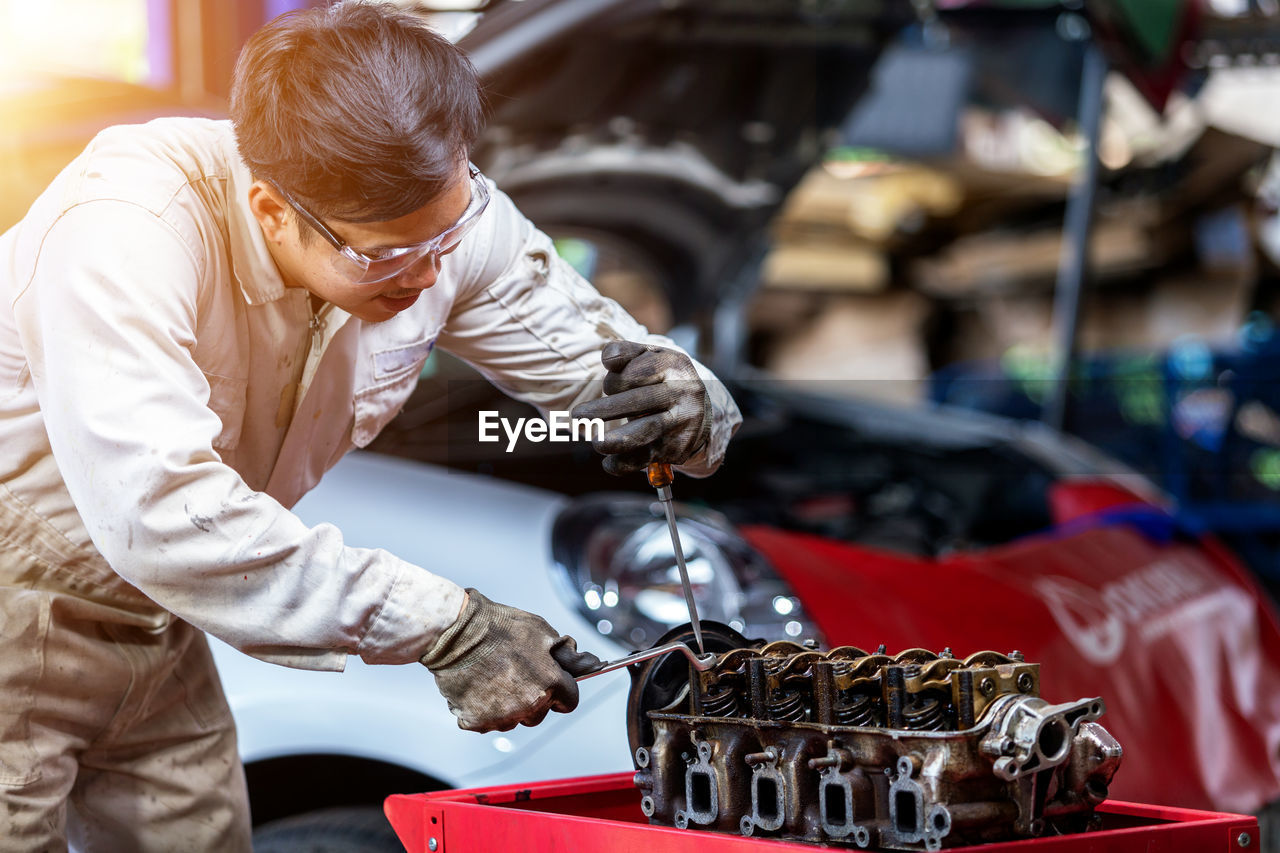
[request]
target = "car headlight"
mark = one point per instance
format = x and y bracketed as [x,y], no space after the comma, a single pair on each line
[616,566]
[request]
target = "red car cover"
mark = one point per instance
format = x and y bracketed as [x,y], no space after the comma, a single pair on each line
[1172,633]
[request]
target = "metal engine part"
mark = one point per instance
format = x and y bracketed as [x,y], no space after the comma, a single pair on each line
[912,752]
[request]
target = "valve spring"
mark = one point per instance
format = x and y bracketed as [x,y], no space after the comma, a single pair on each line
[787,706]
[773,666]
[858,710]
[841,667]
[721,703]
[926,714]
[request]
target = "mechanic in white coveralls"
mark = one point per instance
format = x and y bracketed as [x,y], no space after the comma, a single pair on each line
[199,319]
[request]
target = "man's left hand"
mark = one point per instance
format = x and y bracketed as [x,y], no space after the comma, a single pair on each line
[660,393]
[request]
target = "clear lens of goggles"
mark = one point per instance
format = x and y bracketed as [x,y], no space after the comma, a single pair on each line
[357,268]
[373,266]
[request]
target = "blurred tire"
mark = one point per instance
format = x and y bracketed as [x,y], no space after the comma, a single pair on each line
[356,829]
[673,242]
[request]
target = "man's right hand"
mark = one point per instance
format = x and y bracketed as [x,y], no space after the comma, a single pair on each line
[498,666]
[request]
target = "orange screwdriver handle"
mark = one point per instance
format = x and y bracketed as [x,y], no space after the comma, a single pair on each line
[659,474]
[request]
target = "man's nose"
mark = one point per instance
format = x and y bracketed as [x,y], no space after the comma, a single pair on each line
[421,275]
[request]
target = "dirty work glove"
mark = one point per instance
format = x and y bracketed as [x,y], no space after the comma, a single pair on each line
[661,394]
[498,666]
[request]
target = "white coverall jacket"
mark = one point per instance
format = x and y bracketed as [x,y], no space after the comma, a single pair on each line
[165,399]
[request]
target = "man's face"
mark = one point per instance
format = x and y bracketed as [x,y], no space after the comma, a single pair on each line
[307,260]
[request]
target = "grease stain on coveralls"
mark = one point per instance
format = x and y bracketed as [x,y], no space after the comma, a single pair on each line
[201,522]
[284,412]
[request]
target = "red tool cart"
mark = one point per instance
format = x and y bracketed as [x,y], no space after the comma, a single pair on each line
[602,813]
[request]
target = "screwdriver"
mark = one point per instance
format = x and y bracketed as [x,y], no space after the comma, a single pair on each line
[660,478]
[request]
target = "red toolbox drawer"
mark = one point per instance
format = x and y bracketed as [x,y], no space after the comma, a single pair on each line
[601,814]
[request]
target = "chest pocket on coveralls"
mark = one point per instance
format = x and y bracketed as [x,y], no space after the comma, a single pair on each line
[227,399]
[395,374]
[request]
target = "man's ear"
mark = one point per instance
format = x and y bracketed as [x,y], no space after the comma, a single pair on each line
[270,209]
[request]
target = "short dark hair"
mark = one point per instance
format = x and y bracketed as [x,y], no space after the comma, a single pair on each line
[358,109]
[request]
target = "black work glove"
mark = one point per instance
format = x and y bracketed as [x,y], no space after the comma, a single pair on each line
[498,666]
[661,394]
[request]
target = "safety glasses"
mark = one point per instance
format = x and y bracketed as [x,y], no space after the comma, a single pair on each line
[370,266]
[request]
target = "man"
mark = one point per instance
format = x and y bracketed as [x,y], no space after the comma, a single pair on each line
[199,319]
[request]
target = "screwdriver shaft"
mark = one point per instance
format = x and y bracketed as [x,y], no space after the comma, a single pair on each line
[664,494]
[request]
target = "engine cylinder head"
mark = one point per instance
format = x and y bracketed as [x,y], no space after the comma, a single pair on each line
[793,743]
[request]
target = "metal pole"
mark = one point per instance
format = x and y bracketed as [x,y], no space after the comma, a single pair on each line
[1074,260]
